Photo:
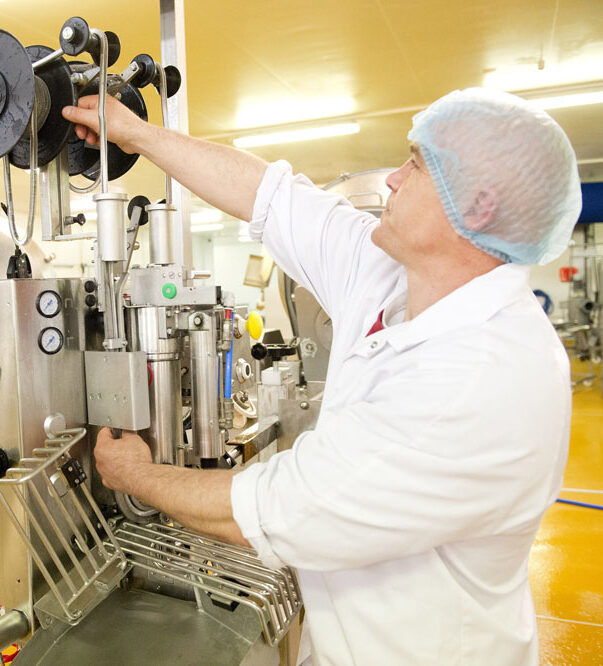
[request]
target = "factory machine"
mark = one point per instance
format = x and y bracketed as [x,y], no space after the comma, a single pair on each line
[89,576]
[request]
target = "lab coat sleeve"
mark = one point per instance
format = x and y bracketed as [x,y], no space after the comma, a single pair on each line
[378,481]
[317,237]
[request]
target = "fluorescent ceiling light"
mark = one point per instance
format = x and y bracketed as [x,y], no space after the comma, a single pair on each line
[565,101]
[263,112]
[206,227]
[528,76]
[291,136]
[206,216]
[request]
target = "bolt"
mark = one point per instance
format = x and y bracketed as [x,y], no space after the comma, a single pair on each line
[68,33]
[197,321]
[304,405]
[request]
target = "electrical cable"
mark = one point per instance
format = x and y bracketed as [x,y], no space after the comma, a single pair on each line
[584,504]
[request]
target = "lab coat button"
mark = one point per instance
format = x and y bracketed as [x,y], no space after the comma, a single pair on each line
[374,344]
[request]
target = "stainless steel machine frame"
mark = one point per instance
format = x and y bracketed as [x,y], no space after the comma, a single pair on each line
[146,349]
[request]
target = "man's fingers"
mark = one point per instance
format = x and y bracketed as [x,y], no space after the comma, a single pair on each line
[88,102]
[91,138]
[81,131]
[81,116]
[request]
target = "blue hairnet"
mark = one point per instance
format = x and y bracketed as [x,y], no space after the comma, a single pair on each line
[478,140]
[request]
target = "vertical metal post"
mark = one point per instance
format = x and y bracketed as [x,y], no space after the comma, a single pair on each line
[173,52]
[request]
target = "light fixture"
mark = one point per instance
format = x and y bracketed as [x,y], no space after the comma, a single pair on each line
[206,216]
[202,228]
[566,101]
[266,112]
[293,135]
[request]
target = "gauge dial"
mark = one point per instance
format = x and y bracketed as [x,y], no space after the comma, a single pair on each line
[51,340]
[49,303]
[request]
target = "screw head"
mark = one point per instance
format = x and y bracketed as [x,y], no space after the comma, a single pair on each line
[304,405]
[68,33]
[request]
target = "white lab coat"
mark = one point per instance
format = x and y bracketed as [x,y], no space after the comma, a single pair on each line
[410,510]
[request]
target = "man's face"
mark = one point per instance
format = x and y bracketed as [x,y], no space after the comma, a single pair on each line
[413,224]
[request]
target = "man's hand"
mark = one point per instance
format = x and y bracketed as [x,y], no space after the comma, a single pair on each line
[123,126]
[121,461]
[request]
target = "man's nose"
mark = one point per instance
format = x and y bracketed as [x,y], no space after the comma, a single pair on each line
[394,179]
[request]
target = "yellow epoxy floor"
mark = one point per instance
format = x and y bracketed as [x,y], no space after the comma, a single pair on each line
[566,563]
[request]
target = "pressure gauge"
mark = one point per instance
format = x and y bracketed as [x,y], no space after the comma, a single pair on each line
[49,303]
[50,340]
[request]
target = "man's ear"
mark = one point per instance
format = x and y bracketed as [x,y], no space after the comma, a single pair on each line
[482,211]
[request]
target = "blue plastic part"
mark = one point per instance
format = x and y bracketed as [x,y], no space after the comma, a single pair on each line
[592,203]
[585,504]
[228,374]
[545,300]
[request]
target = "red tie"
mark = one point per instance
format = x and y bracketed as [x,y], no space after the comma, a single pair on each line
[377,326]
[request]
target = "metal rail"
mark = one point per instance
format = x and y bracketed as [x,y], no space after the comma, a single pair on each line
[225,572]
[30,496]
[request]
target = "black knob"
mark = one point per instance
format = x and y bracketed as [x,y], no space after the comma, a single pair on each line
[90,286]
[146,71]
[75,35]
[142,202]
[259,351]
[4,463]
[90,300]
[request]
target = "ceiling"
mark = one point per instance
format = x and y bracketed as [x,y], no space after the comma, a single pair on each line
[277,62]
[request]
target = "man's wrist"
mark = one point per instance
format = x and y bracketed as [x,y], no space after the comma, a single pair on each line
[134,478]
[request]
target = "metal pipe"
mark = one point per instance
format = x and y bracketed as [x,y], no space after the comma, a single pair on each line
[161,223]
[164,435]
[102,177]
[164,116]
[13,626]
[33,185]
[207,439]
[51,57]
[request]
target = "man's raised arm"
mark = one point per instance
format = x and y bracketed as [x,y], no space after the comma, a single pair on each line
[223,176]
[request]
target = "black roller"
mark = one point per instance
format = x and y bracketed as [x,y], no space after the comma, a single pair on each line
[54,133]
[172,80]
[139,201]
[146,73]
[16,91]
[86,160]
[114,49]
[76,37]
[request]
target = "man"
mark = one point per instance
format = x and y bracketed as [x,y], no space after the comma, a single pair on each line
[411,508]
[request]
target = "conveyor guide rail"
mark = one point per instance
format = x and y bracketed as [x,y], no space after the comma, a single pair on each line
[228,573]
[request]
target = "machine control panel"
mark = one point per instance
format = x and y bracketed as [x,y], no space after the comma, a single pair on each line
[49,303]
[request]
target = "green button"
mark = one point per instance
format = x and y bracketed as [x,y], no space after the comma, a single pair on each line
[169,290]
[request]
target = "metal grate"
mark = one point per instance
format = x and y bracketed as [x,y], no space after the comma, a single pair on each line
[79,576]
[228,573]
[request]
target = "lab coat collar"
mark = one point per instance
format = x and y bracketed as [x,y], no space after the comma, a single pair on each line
[473,303]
